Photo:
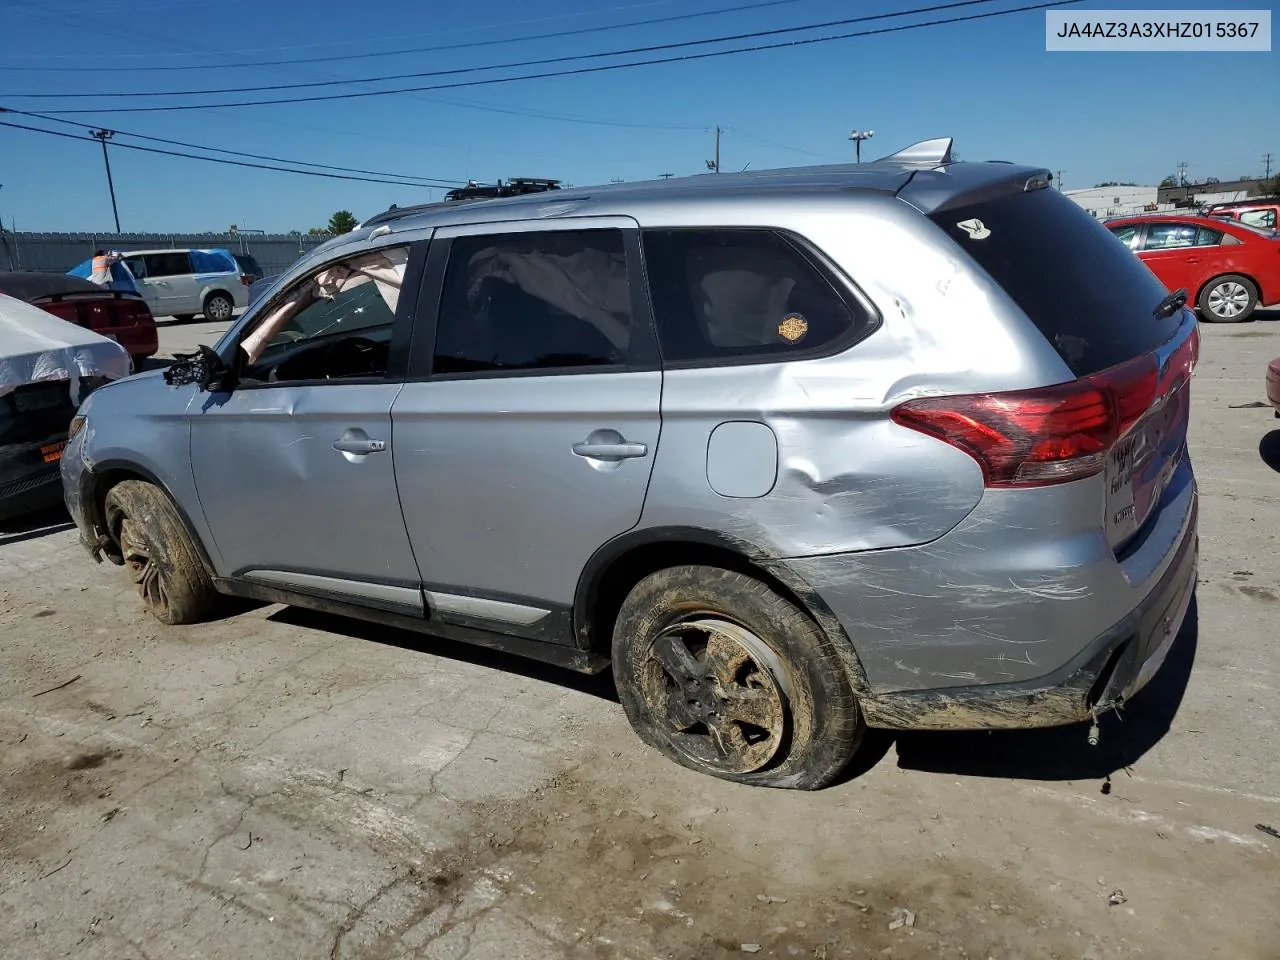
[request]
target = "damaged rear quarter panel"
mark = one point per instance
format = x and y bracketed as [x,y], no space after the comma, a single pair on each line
[848,478]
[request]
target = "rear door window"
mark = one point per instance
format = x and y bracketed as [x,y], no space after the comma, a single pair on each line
[535,302]
[731,295]
[1169,236]
[169,264]
[1089,297]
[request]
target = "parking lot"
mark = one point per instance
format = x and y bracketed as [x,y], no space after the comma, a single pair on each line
[286,784]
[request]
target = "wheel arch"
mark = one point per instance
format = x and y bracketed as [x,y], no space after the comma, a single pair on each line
[107,474]
[623,562]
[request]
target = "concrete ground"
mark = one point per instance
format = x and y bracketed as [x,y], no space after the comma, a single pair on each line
[281,784]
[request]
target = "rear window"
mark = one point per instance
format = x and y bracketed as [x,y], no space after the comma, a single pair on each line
[724,295]
[1090,297]
[211,261]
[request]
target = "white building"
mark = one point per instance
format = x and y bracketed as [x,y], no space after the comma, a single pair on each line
[1103,202]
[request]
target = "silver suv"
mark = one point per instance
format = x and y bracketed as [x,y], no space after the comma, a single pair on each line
[796,452]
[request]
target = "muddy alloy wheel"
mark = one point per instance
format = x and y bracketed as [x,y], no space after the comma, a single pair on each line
[714,682]
[142,569]
[725,676]
[162,561]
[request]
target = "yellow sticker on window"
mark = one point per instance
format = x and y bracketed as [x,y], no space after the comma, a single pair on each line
[793,328]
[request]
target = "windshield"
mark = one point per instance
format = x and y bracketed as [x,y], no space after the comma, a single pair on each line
[1085,291]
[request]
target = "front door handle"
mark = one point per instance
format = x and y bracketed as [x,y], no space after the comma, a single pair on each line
[609,445]
[354,445]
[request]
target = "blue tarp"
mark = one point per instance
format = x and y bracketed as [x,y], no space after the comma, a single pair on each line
[121,278]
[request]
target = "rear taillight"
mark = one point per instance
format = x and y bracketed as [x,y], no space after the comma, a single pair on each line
[129,312]
[62,310]
[1033,438]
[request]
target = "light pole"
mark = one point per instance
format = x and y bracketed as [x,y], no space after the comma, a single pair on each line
[857,136]
[102,136]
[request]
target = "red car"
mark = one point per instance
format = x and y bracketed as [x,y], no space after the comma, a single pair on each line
[1228,268]
[122,317]
[1256,213]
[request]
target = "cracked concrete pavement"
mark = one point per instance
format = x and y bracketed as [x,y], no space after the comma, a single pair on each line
[284,784]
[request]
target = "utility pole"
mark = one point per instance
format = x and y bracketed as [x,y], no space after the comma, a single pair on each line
[857,136]
[666,176]
[1266,158]
[1182,174]
[1059,181]
[102,136]
[714,165]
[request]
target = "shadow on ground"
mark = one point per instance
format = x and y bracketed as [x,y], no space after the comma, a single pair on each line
[1063,753]
[600,685]
[1269,450]
[32,526]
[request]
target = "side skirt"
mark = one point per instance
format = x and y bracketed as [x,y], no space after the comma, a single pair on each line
[570,658]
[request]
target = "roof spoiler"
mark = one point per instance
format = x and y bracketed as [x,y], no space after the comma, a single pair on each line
[927,153]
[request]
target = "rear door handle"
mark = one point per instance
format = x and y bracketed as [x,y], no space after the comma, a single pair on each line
[605,450]
[352,445]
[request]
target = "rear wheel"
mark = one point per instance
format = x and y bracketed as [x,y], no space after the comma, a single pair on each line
[723,676]
[159,555]
[218,307]
[1228,299]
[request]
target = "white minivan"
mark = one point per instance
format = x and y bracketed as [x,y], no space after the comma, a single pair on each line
[183,283]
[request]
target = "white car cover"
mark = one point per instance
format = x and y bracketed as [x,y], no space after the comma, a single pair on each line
[36,346]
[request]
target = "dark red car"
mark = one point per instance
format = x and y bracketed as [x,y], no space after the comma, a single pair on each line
[1228,268]
[114,314]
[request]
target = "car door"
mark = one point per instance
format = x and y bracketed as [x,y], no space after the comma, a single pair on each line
[151,292]
[1169,248]
[165,273]
[294,465]
[527,432]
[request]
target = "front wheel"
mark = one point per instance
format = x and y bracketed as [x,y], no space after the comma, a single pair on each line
[722,675]
[161,559]
[218,307]
[1228,299]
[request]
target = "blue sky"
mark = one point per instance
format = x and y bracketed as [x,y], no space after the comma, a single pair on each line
[990,84]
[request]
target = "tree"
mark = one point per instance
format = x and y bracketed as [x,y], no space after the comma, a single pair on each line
[344,221]
[318,232]
[1271,188]
[1169,182]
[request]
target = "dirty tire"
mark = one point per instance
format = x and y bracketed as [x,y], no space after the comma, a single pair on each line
[722,675]
[159,555]
[218,307]
[1228,299]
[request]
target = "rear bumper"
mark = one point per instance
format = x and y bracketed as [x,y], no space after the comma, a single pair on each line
[1108,672]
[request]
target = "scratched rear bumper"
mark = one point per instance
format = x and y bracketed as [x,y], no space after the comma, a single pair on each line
[1022,616]
[1108,672]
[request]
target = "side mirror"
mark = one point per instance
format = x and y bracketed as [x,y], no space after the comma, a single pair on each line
[204,368]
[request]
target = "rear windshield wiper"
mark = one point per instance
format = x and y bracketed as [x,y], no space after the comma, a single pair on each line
[1171,304]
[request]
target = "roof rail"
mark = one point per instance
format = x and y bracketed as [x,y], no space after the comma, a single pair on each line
[929,153]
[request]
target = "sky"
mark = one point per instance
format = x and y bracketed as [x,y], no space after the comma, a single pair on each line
[987,83]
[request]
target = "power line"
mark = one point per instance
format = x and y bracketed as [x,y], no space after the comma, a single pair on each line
[580,71]
[233,163]
[383,54]
[42,12]
[434,181]
[543,62]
